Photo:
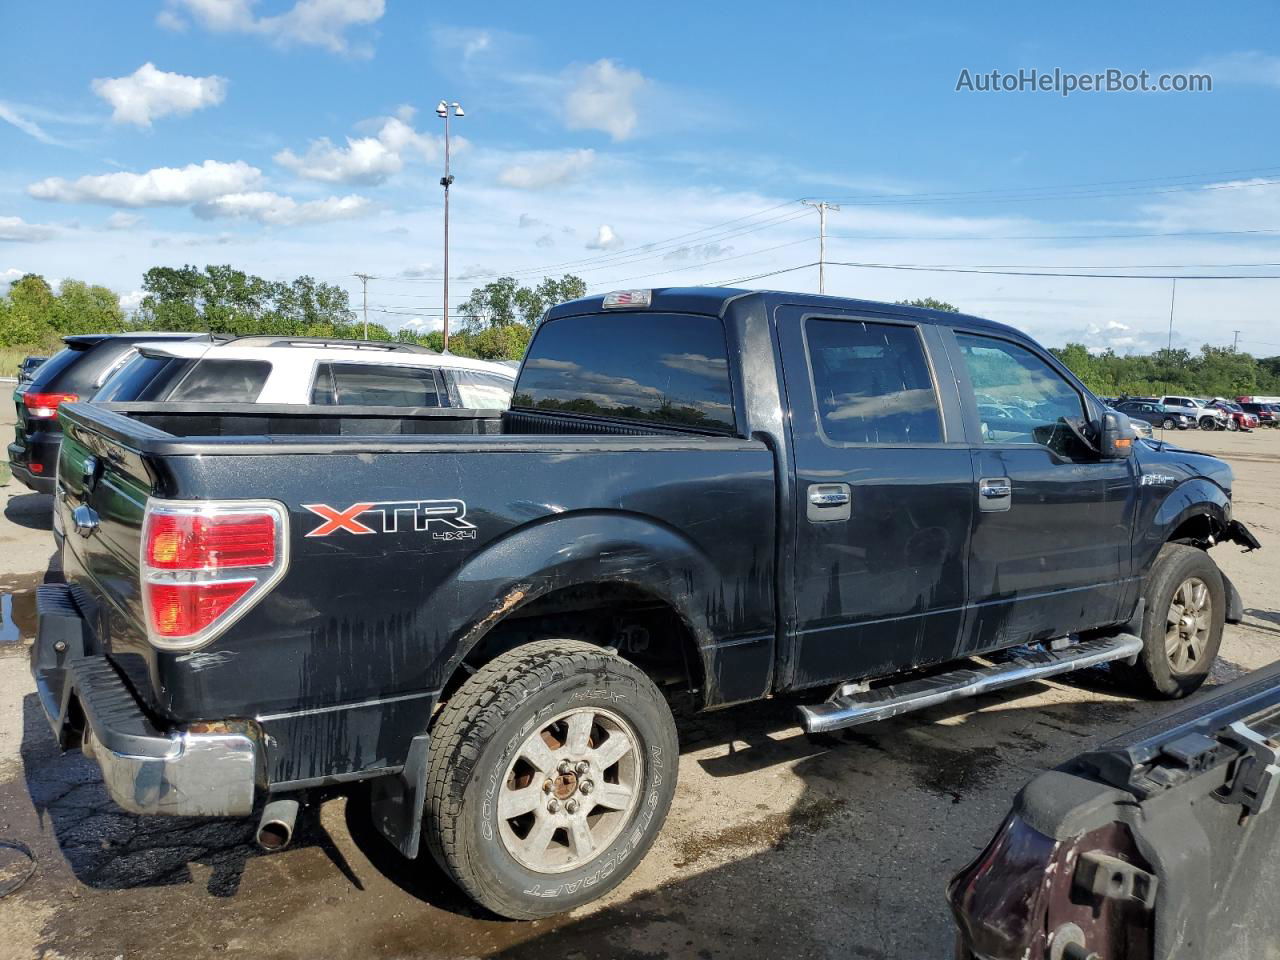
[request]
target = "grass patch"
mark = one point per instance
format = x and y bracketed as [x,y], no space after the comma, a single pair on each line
[12,357]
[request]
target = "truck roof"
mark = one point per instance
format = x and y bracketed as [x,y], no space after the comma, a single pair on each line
[717,301]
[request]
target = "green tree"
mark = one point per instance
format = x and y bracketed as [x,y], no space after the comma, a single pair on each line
[931,304]
[502,302]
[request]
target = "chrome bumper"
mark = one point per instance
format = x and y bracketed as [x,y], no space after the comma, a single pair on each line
[197,775]
[202,770]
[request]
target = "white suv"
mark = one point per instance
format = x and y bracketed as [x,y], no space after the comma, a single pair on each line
[302,370]
[1206,417]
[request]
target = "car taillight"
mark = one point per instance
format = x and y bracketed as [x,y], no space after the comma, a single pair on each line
[44,406]
[205,564]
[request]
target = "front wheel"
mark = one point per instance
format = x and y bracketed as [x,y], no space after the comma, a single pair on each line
[551,772]
[1168,424]
[1232,425]
[1182,626]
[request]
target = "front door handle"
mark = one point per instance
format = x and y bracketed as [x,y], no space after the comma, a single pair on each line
[995,494]
[828,501]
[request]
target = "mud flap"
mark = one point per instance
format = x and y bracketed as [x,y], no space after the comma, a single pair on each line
[1235,605]
[396,802]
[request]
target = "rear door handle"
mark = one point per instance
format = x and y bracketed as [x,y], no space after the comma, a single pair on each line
[828,501]
[995,494]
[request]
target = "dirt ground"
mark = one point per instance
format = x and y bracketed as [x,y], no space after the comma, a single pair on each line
[778,844]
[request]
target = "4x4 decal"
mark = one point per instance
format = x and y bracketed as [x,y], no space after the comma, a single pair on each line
[386,516]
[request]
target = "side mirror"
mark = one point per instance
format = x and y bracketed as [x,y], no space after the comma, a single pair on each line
[1115,436]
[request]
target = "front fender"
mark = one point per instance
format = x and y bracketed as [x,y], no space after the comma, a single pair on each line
[1198,496]
[581,548]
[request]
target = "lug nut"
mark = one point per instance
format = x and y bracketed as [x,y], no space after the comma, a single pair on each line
[581,768]
[547,786]
[571,806]
[586,786]
[553,805]
[565,767]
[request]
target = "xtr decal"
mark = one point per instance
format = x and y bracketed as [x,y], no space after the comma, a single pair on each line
[384,516]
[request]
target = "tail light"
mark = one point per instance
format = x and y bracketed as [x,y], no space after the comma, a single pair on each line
[44,406]
[204,565]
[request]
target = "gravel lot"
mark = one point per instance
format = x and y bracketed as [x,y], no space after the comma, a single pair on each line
[778,844]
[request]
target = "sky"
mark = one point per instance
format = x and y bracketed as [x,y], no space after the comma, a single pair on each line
[660,144]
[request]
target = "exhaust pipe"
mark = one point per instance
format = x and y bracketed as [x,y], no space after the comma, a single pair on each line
[275,828]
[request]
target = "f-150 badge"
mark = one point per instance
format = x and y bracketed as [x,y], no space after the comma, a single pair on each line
[445,519]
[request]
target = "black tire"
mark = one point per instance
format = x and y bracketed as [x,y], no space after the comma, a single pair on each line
[480,735]
[1169,423]
[1155,674]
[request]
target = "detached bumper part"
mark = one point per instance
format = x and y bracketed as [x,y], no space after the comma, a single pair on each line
[207,769]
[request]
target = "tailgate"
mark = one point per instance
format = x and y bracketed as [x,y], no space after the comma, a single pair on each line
[100,501]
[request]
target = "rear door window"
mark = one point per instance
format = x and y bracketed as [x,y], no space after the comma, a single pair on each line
[666,369]
[479,390]
[222,380]
[872,382]
[376,385]
[143,378]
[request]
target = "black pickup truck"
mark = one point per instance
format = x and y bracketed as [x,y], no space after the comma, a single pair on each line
[700,497]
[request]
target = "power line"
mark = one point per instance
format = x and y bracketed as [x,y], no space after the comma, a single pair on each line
[706,263]
[649,251]
[1078,236]
[1049,273]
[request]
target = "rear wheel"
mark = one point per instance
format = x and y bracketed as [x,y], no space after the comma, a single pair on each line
[1182,626]
[552,769]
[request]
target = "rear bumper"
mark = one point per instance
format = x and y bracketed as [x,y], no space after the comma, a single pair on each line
[18,464]
[205,769]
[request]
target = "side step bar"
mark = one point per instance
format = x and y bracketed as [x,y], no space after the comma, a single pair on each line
[851,704]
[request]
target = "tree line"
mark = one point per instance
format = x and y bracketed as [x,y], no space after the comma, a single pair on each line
[494,323]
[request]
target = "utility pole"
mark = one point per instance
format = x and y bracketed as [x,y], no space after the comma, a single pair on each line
[364,290]
[1235,341]
[443,110]
[822,207]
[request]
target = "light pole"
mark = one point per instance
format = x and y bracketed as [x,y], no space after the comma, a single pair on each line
[443,110]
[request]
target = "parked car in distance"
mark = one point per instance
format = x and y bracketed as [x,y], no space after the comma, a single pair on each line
[292,370]
[1163,844]
[699,496]
[1237,417]
[1268,414]
[74,373]
[1206,417]
[27,369]
[1155,415]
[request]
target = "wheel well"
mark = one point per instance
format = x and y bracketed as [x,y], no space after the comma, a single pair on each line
[642,627]
[1201,530]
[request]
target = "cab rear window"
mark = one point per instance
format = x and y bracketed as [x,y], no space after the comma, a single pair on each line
[666,369]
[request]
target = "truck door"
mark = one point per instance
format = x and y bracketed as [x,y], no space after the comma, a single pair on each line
[1050,553]
[884,495]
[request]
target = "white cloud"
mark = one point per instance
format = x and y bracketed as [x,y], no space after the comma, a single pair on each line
[276,210]
[546,169]
[17,230]
[123,221]
[424,269]
[605,239]
[317,23]
[1252,67]
[366,160]
[1252,204]
[148,93]
[161,187]
[11,274]
[546,240]
[131,300]
[9,114]
[602,97]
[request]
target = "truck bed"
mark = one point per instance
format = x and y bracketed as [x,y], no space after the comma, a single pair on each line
[387,614]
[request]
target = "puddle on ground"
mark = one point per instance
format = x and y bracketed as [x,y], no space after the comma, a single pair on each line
[18,610]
